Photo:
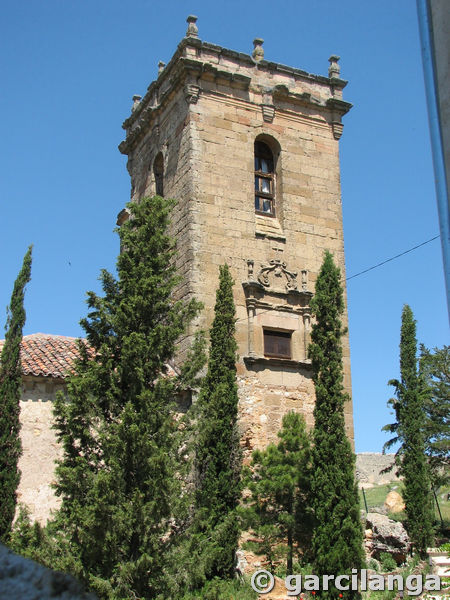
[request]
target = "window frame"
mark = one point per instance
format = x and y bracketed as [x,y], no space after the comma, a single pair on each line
[261,175]
[283,333]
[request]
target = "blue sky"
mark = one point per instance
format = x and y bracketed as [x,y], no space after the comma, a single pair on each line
[69,69]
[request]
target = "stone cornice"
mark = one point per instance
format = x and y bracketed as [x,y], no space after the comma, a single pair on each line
[267,363]
[191,64]
[281,91]
[252,288]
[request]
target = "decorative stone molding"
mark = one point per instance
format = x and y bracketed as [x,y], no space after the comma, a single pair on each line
[261,296]
[268,113]
[192,30]
[276,362]
[258,50]
[250,267]
[304,280]
[191,93]
[192,63]
[338,128]
[334,74]
[277,268]
[334,69]
[136,101]
[338,108]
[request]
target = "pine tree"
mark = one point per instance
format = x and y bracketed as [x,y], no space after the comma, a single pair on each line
[337,537]
[10,391]
[279,484]
[217,450]
[118,476]
[409,406]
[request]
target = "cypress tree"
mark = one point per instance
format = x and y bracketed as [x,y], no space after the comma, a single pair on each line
[409,404]
[118,476]
[10,391]
[337,537]
[434,368]
[217,450]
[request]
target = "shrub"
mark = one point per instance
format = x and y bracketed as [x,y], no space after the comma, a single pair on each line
[387,562]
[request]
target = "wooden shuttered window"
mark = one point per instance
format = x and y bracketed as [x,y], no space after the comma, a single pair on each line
[277,344]
[264,180]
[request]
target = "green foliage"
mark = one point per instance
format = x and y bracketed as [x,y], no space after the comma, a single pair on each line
[412,567]
[279,484]
[337,538]
[434,367]
[10,391]
[217,452]
[218,589]
[388,564]
[445,547]
[26,538]
[376,495]
[373,564]
[409,406]
[31,540]
[118,477]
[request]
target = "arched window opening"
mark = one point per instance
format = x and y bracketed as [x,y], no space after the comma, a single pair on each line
[158,172]
[264,180]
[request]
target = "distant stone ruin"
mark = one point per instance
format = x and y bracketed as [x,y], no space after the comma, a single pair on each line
[369,466]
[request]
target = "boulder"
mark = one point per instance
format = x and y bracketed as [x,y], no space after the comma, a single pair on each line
[394,502]
[387,536]
[24,579]
[381,510]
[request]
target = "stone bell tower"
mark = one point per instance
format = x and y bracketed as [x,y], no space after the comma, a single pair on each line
[250,150]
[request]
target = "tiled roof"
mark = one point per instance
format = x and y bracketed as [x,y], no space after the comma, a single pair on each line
[47,355]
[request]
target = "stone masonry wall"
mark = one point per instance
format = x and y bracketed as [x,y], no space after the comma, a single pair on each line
[204,113]
[40,447]
[226,228]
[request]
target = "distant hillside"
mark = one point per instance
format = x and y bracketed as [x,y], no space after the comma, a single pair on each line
[369,465]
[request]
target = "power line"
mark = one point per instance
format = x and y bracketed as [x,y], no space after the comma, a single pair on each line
[393,258]
[369,269]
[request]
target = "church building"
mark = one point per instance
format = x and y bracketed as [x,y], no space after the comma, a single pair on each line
[249,148]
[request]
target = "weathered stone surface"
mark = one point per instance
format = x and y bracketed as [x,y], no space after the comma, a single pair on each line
[24,579]
[394,502]
[207,141]
[440,562]
[386,536]
[40,449]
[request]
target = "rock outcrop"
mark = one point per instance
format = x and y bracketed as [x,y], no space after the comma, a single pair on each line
[385,535]
[24,579]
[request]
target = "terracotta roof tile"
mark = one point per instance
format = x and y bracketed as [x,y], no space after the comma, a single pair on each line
[47,355]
